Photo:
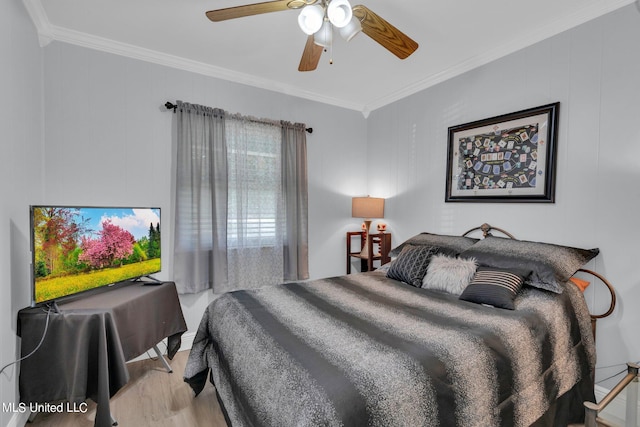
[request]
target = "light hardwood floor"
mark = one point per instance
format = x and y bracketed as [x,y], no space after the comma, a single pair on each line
[153,397]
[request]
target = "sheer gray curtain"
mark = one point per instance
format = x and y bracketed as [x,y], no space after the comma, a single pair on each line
[200,241]
[295,201]
[255,218]
[241,201]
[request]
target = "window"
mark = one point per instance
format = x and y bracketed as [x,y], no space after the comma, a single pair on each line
[255,184]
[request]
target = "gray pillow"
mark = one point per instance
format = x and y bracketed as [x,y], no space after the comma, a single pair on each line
[411,265]
[550,264]
[449,274]
[447,244]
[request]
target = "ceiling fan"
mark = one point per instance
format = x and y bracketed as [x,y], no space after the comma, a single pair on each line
[318,18]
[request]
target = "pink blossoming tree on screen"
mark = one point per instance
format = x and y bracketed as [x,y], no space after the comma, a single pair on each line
[109,249]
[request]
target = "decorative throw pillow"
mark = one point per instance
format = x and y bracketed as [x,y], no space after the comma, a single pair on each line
[550,264]
[411,265]
[581,284]
[495,286]
[450,244]
[449,274]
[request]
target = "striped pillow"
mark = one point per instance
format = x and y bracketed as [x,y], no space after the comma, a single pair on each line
[495,286]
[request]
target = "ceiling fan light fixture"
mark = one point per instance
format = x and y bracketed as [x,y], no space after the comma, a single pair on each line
[339,13]
[350,30]
[324,36]
[310,19]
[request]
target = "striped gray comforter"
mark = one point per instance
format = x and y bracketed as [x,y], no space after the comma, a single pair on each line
[367,350]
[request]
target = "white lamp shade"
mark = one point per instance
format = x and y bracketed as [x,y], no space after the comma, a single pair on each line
[339,13]
[324,36]
[367,207]
[350,30]
[311,18]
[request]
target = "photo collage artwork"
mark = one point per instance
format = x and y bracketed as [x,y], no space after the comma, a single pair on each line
[502,159]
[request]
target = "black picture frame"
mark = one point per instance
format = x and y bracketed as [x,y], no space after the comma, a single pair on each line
[507,158]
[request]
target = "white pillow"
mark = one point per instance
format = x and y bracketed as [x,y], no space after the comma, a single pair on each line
[449,274]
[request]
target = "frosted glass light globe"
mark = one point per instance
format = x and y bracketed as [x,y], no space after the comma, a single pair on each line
[310,19]
[339,13]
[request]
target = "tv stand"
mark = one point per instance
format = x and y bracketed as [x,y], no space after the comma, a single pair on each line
[88,342]
[151,280]
[53,307]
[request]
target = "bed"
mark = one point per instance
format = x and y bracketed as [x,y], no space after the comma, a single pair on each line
[456,331]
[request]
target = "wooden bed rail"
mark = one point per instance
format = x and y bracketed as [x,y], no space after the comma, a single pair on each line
[592,409]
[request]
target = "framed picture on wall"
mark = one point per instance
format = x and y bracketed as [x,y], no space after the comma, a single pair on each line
[508,158]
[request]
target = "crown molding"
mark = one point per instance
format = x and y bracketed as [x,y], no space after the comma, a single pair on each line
[48,33]
[40,21]
[131,51]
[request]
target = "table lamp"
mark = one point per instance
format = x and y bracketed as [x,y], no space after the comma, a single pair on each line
[367,208]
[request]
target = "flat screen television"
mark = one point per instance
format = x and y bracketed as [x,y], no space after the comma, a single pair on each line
[77,249]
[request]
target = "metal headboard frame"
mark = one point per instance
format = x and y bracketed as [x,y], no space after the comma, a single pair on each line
[486,231]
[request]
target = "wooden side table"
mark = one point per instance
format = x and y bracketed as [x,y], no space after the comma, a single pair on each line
[379,247]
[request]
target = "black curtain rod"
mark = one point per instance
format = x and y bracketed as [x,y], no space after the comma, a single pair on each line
[171,106]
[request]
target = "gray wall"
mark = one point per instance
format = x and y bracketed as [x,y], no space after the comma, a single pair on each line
[84,127]
[593,70]
[20,175]
[108,141]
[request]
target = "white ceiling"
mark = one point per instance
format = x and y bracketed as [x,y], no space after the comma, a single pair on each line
[264,50]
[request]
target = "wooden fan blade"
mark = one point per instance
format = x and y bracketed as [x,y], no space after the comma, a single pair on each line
[310,56]
[248,10]
[392,39]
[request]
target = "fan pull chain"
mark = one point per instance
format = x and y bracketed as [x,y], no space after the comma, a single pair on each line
[331,49]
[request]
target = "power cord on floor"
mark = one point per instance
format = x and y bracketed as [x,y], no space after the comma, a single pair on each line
[51,308]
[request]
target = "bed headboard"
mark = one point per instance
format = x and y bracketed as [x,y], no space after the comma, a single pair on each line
[487,230]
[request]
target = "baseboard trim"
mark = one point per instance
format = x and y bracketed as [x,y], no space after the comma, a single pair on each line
[187,341]
[19,419]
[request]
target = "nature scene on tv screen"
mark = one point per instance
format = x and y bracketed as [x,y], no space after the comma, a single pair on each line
[77,249]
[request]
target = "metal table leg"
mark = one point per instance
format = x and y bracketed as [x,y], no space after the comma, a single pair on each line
[164,361]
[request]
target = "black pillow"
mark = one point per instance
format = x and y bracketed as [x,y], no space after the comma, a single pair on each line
[495,286]
[411,264]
